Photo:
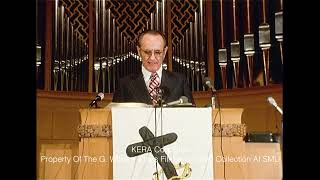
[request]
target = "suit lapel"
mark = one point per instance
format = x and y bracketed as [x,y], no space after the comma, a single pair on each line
[165,80]
[169,83]
[139,89]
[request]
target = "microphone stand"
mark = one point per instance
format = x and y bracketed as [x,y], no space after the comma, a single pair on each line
[281,137]
[160,102]
[93,103]
[213,97]
[279,110]
[281,131]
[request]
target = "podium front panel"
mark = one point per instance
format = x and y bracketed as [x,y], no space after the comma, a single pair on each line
[193,144]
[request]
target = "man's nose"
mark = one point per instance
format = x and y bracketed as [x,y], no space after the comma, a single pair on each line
[153,55]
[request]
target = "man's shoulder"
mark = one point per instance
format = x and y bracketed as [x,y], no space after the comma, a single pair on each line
[176,75]
[131,77]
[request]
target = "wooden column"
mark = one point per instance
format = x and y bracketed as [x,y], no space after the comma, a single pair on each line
[210,55]
[169,35]
[90,46]
[48,45]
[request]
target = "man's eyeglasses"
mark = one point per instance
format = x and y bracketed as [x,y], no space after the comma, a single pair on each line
[147,53]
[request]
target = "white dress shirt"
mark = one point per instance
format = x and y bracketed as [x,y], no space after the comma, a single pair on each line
[147,75]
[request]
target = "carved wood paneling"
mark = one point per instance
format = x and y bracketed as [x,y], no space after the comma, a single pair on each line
[182,13]
[78,12]
[131,16]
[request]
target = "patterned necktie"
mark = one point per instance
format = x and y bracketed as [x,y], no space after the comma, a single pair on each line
[152,88]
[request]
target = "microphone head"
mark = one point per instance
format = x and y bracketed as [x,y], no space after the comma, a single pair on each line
[100,96]
[183,99]
[208,83]
[164,91]
[271,100]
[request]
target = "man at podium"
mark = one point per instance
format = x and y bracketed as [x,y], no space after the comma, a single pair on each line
[144,86]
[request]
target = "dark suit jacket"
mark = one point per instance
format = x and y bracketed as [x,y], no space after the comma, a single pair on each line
[132,88]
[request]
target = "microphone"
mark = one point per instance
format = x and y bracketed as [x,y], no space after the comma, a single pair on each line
[208,83]
[163,93]
[181,100]
[99,97]
[273,103]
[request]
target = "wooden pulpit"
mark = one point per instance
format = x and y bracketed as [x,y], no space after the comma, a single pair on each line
[232,156]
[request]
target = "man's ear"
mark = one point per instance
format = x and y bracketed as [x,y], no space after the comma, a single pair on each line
[138,49]
[165,51]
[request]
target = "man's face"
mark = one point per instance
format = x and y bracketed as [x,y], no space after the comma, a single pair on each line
[152,51]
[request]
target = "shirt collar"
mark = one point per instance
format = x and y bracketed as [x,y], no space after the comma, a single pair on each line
[147,74]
